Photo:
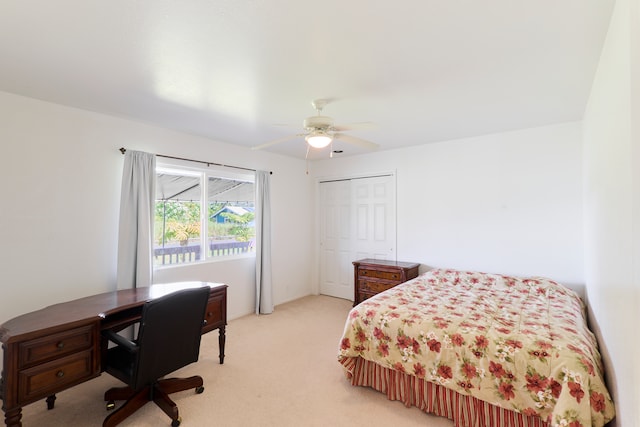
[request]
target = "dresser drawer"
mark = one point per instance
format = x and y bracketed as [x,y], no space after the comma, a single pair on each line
[375,287]
[42,380]
[380,274]
[56,345]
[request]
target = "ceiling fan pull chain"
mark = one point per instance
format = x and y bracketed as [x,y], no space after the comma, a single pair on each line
[306,158]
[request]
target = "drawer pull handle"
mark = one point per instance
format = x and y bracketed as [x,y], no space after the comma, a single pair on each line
[60,345]
[60,374]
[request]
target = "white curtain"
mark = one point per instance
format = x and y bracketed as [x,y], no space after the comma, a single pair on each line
[264,292]
[135,238]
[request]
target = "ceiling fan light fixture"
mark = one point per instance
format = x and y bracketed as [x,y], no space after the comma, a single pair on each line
[318,139]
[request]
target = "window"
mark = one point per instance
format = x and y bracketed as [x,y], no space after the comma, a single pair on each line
[202,214]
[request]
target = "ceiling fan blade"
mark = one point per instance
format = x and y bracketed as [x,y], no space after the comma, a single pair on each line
[353,126]
[276,141]
[356,141]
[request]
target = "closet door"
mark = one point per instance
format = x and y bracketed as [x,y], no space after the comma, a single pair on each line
[357,220]
[335,239]
[373,204]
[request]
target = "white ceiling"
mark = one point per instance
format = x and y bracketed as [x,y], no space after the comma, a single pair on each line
[246,71]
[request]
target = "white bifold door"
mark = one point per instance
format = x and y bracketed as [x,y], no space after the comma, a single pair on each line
[357,219]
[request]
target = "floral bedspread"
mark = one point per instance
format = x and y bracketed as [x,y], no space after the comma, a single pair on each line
[518,343]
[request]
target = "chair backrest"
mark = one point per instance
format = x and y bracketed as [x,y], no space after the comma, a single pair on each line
[169,334]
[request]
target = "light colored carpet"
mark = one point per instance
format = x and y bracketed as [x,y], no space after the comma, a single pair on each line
[280,370]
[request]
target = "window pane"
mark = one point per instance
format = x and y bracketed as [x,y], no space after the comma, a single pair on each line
[231,217]
[177,219]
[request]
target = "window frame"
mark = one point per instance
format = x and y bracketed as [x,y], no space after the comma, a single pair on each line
[204,173]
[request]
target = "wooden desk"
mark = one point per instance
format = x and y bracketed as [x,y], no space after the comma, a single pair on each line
[60,346]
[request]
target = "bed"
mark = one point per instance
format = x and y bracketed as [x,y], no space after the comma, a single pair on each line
[484,350]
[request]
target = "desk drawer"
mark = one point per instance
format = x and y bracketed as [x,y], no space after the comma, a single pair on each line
[48,378]
[216,312]
[380,274]
[56,345]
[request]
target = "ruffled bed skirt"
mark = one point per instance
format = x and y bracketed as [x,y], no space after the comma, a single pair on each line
[465,411]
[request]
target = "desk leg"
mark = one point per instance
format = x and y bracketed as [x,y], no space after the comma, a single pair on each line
[221,341]
[12,417]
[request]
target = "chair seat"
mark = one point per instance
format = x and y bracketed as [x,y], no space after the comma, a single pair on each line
[120,363]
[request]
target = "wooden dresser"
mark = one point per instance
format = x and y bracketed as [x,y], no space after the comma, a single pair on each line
[373,276]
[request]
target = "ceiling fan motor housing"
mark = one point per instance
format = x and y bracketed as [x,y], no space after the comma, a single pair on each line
[318,122]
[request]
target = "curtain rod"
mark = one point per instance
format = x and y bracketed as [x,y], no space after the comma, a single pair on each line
[124,150]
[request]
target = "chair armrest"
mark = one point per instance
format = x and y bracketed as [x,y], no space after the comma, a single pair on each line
[120,340]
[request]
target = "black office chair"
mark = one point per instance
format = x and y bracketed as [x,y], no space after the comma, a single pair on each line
[168,339]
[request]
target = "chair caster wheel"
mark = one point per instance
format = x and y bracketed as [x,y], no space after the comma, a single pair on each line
[176,423]
[111,405]
[199,389]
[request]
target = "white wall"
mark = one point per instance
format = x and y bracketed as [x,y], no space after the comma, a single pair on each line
[60,174]
[612,208]
[506,203]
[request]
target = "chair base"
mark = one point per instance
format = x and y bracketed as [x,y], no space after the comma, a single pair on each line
[157,392]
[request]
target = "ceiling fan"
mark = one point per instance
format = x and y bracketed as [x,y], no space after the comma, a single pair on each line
[320,132]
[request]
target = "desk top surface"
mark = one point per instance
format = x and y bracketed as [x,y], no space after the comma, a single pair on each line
[94,307]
